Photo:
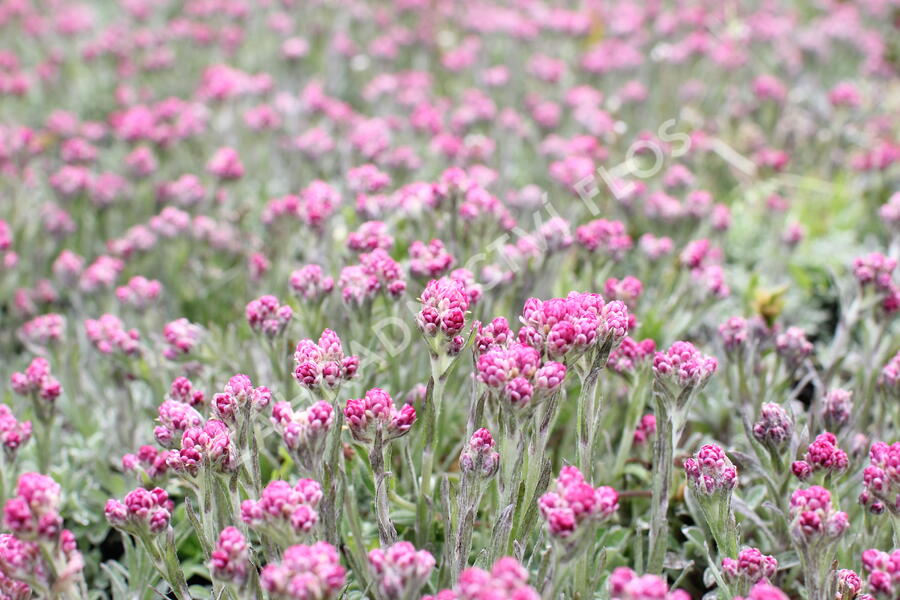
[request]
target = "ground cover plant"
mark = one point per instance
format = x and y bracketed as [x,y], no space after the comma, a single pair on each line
[463,300]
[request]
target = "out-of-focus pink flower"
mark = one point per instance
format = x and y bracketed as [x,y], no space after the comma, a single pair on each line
[376,412]
[400,570]
[305,572]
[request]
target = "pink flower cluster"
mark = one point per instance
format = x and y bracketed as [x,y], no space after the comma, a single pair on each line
[685,365]
[568,327]
[625,584]
[881,479]
[793,347]
[44,330]
[883,582]
[142,511]
[13,433]
[23,563]
[518,374]
[266,315]
[837,406]
[369,236]
[822,455]
[149,462]
[507,580]
[139,293]
[283,507]
[239,397]
[889,379]
[710,471]
[376,273]
[764,591]
[310,283]
[109,336]
[36,381]
[400,570]
[774,427]
[33,513]
[304,573]
[304,431]
[180,336]
[444,307]
[604,236]
[645,429]
[174,419]
[229,561]
[573,502]
[813,517]
[478,456]
[209,446]
[323,364]
[431,260]
[376,412]
[630,355]
[751,564]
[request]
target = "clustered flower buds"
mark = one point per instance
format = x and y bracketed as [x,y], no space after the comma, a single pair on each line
[376,413]
[507,580]
[229,561]
[304,431]
[478,457]
[33,513]
[283,509]
[209,446]
[822,455]
[174,419]
[625,584]
[751,565]
[309,283]
[883,582]
[881,479]
[238,397]
[573,502]
[266,315]
[764,591]
[774,427]
[13,434]
[710,471]
[813,517]
[630,355]
[889,379]
[109,336]
[793,347]
[180,336]
[400,570]
[305,572]
[148,464]
[684,365]
[323,364]
[143,511]
[36,381]
[444,306]
[837,406]
[645,430]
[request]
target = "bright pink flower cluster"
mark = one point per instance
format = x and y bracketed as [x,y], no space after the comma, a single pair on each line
[182,390]
[239,396]
[180,336]
[444,307]
[266,315]
[143,510]
[822,455]
[710,471]
[889,379]
[305,573]
[175,418]
[774,427]
[323,364]
[209,446]
[814,517]
[628,290]
[605,236]
[149,462]
[369,236]
[519,375]
[22,563]
[310,283]
[400,570]
[36,381]
[283,507]
[629,356]
[881,479]
[226,164]
[837,406]
[574,502]
[376,411]
[625,584]
[645,430]
[507,580]
[33,513]
[13,433]
[109,336]
[376,273]
[875,269]
[751,564]
[139,293]
[429,261]
[229,561]
[567,327]
[478,456]
[686,365]
[883,582]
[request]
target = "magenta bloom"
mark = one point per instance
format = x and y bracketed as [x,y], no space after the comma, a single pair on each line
[814,517]
[268,316]
[229,562]
[323,364]
[141,511]
[478,456]
[710,471]
[444,307]
[36,381]
[751,564]
[283,508]
[572,503]
[376,412]
[305,572]
[683,364]
[507,580]
[881,479]
[239,394]
[400,571]
[625,584]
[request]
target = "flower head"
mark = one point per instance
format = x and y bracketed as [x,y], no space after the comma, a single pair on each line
[376,412]
[774,427]
[284,508]
[573,502]
[478,456]
[323,364]
[305,573]
[710,471]
[683,364]
[400,571]
[813,517]
[141,511]
[266,315]
[239,394]
[229,561]
[625,584]
[881,479]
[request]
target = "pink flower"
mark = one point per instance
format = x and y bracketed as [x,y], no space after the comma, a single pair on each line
[44,330]
[229,561]
[238,395]
[478,456]
[323,364]
[764,591]
[36,381]
[284,508]
[751,564]
[109,336]
[625,584]
[774,427]
[572,502]
[444,307]
[371,235]
[309,283]
[400,571]
[881,479]
[305,572]
[823,454]
[429,260]
[606,236]
[507,580]
[141,511]
[139,293]
[266,315]
[684,364]
[814,517]
[376,411]
[33,513]
[226,164]
[209,446]
[13,433]
[710,471]
[181,336]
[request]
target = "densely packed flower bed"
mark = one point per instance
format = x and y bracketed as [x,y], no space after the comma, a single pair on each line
[456,300]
